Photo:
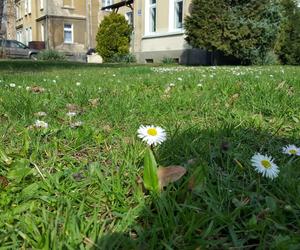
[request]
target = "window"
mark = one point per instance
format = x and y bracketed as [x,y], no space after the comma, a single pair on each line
[42,32]
[17,12]
[129,17]
[27,7]
[175,15]
[41,4]
[30,35]
[20,35]
[152,8]
[68,33]
[107,3]
[178,11]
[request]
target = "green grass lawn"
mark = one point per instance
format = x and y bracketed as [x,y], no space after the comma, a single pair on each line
[80,187]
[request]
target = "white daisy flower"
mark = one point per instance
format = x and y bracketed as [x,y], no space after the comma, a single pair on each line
[152,135]
[172,85]
[291,150]
[265,165]
[76,124]
[28,88]
[40,114]
[12,85]
[179,79]
[71,114]
[40,124]
[54,81]
[78,83]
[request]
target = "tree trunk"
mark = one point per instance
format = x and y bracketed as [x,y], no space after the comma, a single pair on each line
[11,19]
[1,12]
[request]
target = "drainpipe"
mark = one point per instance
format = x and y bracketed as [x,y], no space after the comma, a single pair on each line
[47,33]
[88,7]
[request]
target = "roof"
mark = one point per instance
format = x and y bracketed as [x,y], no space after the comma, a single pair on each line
[118,5]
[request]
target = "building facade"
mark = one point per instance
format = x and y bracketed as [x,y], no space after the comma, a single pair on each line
[64,25]
[159,29]
[71,26]
[159,32]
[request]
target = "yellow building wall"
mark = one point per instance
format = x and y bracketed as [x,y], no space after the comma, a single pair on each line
[165,38]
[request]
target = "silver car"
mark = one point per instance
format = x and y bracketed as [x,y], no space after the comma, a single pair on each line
[15,49]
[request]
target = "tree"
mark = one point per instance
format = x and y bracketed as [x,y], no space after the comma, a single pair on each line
[246,30]
[288,43]
[113,37]
[1,13]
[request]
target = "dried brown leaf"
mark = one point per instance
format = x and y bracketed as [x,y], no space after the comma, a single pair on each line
[73,108]
[37,89]
[3,181]
[94,102]
[233,98]
[169,174]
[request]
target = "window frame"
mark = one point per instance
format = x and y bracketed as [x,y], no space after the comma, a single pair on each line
[42,32]
[69,30]
[29,7]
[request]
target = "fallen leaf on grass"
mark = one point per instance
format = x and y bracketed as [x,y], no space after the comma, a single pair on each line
[192,183]
[73,108]
[36,89]
[170,174]
[94,102]
[233,98]
[3,181]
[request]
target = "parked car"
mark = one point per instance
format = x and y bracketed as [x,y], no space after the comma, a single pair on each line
[16,49]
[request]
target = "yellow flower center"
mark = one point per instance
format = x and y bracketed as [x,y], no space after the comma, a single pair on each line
[152,131]
[292,151]
[266,164]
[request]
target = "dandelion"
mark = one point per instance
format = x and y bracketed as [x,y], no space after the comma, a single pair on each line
[152,135]
[291,150]
[40,124]
[12,85]
[265,165]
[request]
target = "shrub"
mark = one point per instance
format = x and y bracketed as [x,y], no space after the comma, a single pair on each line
[246,30]
[288,43]
[128,58]
[51,55]
[113,37]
